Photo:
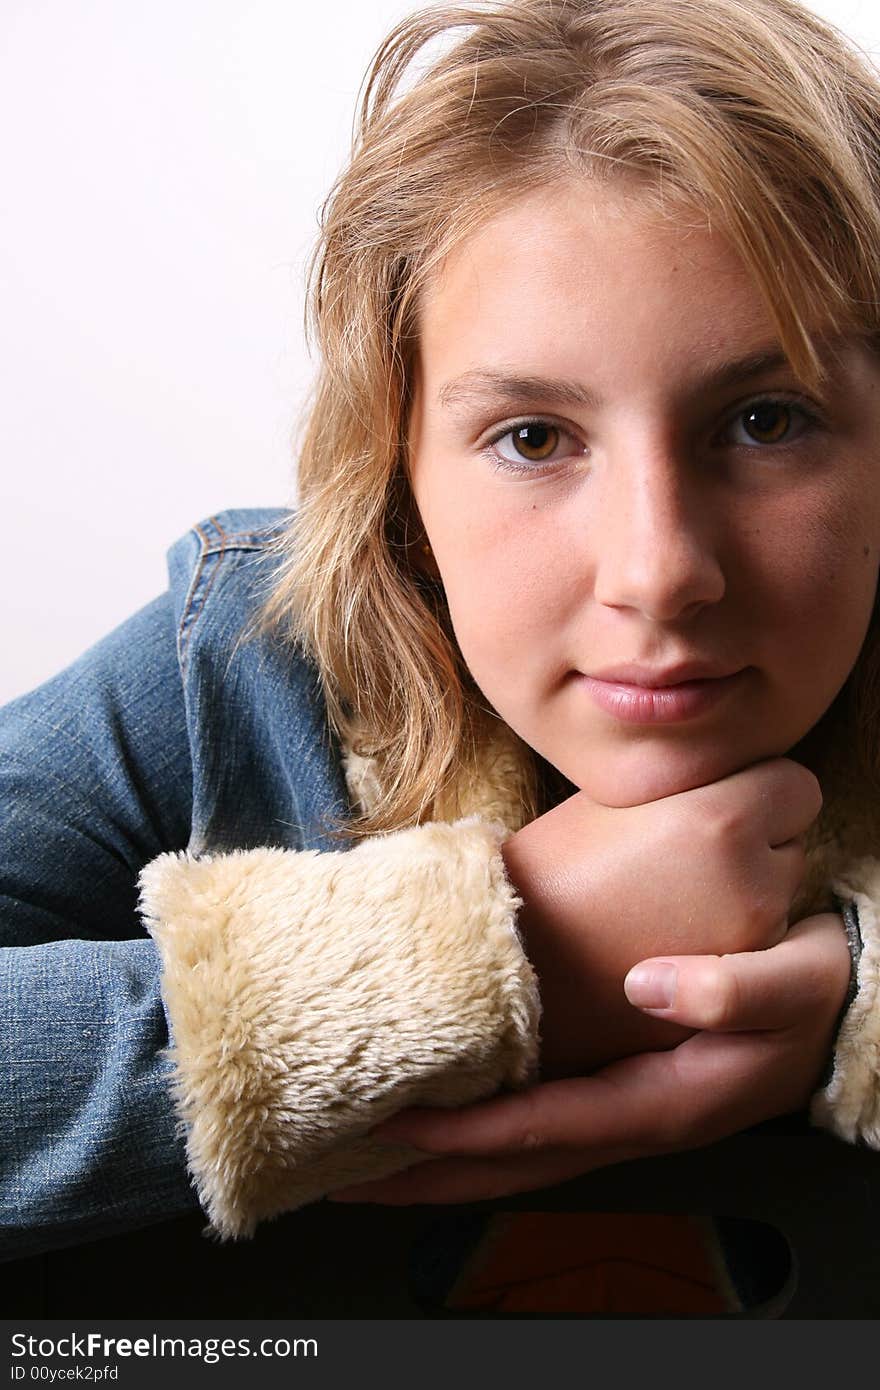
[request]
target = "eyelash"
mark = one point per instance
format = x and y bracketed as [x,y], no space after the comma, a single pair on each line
[809,418]
[810,421]
[506,465]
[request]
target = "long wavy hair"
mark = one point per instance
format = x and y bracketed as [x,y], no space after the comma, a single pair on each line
[755,115]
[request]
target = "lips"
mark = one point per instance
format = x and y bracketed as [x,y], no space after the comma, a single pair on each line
[641,695]
[656,678]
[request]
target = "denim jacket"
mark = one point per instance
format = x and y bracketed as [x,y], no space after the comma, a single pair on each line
[102,768]
[176,744]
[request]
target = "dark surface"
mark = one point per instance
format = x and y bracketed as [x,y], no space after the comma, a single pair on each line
[357,1261]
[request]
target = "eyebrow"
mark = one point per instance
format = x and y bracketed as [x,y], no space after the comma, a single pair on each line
[475,386]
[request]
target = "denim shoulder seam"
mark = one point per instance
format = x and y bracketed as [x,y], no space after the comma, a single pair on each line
[214,543]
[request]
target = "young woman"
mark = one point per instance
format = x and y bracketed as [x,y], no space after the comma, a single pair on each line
[565,663]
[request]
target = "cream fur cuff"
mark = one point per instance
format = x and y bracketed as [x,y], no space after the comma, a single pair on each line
[311,996]
[850,1104]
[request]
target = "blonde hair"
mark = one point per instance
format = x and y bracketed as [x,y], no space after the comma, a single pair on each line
[754,114]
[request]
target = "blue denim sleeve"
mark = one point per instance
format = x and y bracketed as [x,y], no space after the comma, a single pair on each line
[95,780]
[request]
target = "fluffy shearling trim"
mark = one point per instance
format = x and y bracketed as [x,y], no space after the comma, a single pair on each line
[497,787]
[850,1104]
[311,996]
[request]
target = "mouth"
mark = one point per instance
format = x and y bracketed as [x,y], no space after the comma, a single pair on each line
[635,695]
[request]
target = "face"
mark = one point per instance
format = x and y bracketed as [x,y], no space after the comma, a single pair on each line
[659,549]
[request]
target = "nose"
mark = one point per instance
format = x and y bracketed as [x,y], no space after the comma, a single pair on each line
[655,550]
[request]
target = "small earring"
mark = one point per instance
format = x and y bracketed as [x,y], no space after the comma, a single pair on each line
[425,548]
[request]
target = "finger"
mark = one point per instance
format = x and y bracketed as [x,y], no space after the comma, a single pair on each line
[752,990]
[612,1110]
[727,1082]
[519,1123]
[794,802]
[710,1086]
[443,1180]
[504,1123]
[790,797]
[789,862]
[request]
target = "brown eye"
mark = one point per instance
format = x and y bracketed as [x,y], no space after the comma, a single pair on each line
[535,441]
[526,448]
[769,422]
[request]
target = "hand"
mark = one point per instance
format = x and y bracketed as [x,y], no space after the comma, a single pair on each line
[768,1019]
[714,869]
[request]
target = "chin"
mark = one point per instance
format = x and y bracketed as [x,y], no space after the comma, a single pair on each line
[635,776]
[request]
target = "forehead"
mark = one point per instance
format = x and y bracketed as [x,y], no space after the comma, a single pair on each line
[568,226]
[573,260]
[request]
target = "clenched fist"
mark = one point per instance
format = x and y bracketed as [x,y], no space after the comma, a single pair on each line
[713,870]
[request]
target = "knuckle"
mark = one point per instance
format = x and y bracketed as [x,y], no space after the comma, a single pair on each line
[809,789]
[688,1114]
[719,995]
[528,1135]
[528,1140]
[724,823]
[762,921]
[800,788]
[708,812]
[759,901]
[665,1124]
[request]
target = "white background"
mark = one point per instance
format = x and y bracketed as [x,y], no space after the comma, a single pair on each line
[161,168]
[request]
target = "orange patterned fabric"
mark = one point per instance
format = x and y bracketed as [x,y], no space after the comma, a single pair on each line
[598,1263]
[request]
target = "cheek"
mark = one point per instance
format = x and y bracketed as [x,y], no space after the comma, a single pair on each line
[502,588]
[498,609]
[504,599]
[818,585]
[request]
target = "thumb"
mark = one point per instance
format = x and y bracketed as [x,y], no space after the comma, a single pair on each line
[748,991]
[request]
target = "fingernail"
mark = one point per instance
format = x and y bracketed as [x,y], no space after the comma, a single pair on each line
[651,986]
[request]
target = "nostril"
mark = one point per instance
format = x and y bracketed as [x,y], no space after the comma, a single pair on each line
[665,581]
